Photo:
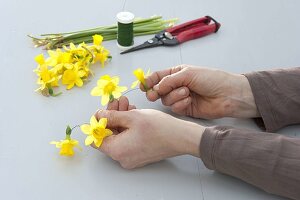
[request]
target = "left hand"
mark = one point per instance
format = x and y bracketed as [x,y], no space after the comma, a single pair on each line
[143,136]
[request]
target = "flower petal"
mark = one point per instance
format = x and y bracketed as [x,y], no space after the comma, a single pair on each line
[134,84]
[70,86]
[116,94]
[108,132]
[103,122]
[98,142]
[121,89]
[104,100]
[86,129]
[89,140]
[96,91]
[115,80]
[93,121]
[79,82]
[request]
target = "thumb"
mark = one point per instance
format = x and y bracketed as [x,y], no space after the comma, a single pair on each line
[115,118]
[171,82]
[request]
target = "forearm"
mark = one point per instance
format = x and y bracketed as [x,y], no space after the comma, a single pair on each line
[266,160]
[277,96]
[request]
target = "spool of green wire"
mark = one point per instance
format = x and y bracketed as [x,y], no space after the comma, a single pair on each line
[125,30]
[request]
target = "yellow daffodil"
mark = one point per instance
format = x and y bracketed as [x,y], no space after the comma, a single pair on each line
[108,88]
[140,75]
[101,55]
[96,131]
[66,146]
[73,77]
[97,39]
[47,78]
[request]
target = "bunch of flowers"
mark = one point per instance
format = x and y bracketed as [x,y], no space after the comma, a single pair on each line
[70,65]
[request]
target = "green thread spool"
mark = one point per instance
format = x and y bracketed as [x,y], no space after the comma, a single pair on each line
[125,30]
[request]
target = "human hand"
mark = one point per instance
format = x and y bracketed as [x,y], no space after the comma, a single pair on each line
[146,136]
[202,92]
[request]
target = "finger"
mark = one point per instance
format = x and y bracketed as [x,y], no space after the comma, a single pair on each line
[157,76]
[152,95]
[175,96]
[171,82]
[131,107]
[181,106]
[123,103]
[113,105]
[115,118]
[106,145]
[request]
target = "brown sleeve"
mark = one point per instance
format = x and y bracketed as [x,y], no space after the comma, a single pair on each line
[267,160]
[277,96]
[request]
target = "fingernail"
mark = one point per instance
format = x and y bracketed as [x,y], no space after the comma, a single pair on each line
[181,92]
[99,110]
[156,87]
[186,100]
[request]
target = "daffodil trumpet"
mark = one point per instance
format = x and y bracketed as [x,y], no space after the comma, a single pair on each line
[141,78]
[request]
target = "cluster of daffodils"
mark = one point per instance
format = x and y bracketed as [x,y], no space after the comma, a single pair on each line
[108,89]
[70,65]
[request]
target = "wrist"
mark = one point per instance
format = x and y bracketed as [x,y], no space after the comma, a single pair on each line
[242,100]
[191,139]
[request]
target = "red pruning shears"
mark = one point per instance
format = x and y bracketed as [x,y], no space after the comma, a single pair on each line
[181,33]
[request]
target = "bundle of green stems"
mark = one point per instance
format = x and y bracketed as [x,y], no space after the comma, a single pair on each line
[141,26]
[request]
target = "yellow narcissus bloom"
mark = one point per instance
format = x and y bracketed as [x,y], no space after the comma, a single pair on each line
[73,77]
[96,131]
[101,55]
[46,78]
[66,146]
[140,75]
[108,88]
[97,39]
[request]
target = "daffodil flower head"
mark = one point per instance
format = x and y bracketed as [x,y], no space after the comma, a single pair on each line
[67,145]
[97,40]
[140,76]
[96,131]
[46,78]
[102,56]
[73,77]
[108,87]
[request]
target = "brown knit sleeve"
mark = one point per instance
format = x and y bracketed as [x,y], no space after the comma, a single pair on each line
[277,96]
[267,160]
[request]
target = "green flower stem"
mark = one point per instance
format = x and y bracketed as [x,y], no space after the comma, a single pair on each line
[146,26]
[111,98]
[146,87]
[51,92]
[68,137]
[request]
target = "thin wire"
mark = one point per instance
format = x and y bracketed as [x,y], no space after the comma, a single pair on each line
[78,126]
[130,91]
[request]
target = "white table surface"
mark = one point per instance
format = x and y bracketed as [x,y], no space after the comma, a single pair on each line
[255,35]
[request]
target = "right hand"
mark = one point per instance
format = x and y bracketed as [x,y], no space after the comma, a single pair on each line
[202,92]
